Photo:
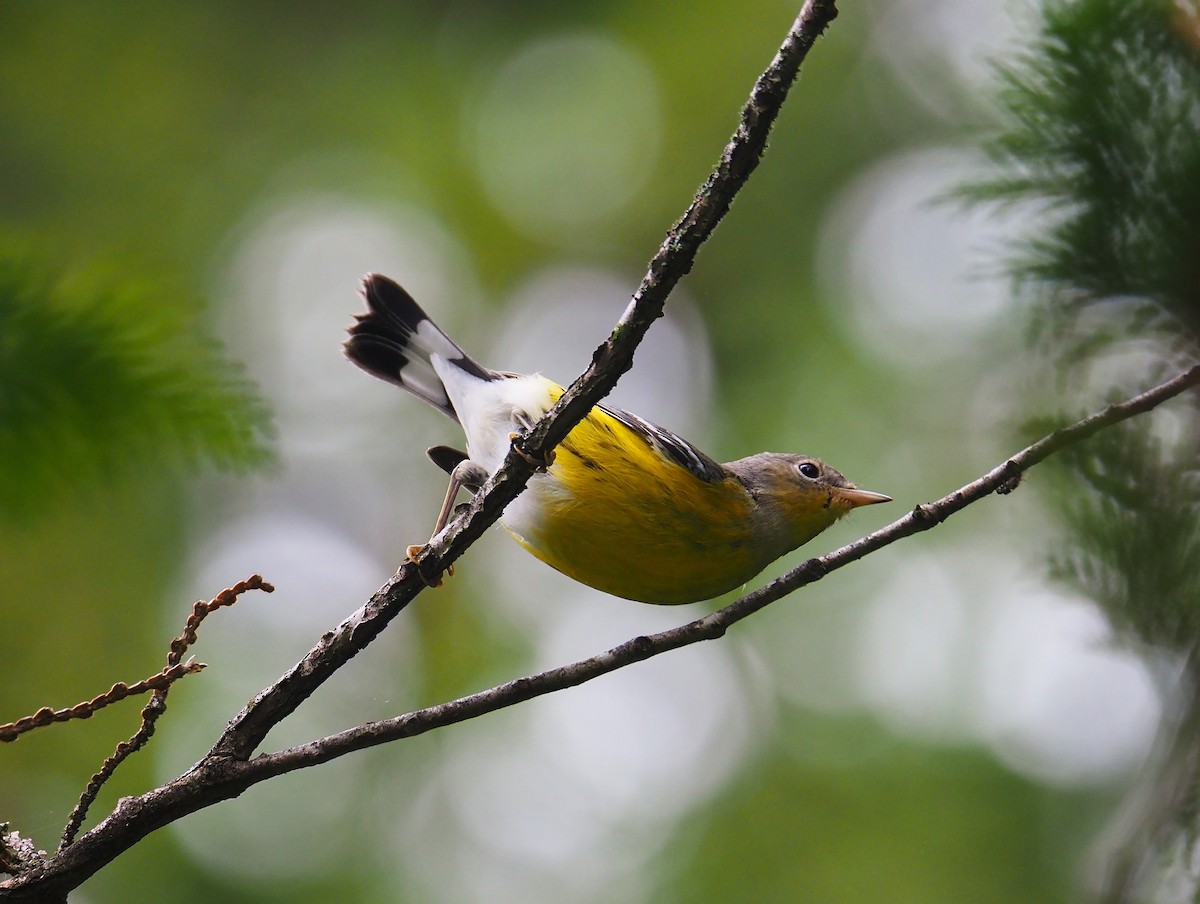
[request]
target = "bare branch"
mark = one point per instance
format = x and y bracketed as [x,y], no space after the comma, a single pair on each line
[157,704]
[677,253]
[224,772]
[217,779]
[88,708]
[674,259]
[1001,479]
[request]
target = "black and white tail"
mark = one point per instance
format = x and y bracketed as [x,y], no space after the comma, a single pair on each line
[395,341]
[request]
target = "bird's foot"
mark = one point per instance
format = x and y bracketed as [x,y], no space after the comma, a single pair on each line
[538,464]
[411,554]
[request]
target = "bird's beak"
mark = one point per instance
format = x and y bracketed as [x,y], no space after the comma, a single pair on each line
[856,497]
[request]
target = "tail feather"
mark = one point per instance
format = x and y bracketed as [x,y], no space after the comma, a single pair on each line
[395,340]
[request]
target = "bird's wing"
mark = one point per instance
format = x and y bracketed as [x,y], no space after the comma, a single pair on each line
[671,445]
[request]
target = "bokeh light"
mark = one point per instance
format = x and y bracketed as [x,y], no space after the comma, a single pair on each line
[906,258]
[565,133]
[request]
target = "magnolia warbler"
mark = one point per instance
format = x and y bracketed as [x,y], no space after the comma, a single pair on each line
[624,506]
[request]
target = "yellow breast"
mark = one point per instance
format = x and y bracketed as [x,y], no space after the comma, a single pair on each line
[615,514]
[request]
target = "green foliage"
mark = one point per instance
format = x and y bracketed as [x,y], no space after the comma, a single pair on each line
[1103,139]
[1103,136]
[1132,504]
[102,382]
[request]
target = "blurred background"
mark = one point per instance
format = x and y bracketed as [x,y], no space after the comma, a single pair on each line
[193,191]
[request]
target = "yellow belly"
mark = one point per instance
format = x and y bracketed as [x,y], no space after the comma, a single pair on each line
[615,515]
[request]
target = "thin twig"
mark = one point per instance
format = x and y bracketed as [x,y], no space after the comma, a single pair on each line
[88,708]
[157,704]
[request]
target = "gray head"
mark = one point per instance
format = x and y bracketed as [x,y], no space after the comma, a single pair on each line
[796,497]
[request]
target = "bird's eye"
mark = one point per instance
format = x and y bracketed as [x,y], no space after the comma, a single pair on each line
[809,470]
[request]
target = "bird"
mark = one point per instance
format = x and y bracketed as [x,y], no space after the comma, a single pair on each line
[623,505]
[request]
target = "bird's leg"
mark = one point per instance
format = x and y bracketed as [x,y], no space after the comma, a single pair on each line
[465,475]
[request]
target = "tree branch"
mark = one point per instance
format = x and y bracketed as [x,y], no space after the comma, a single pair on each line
[120,691]
[615,356]
[214,780]
[226,770]
[157,704]
[1001,479]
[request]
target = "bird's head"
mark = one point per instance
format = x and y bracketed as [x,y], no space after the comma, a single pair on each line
[796,497]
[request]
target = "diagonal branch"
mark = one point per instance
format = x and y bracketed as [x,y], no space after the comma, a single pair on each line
[226,770]
[157,704]
[673,260]
[1001,479]
[678,251]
